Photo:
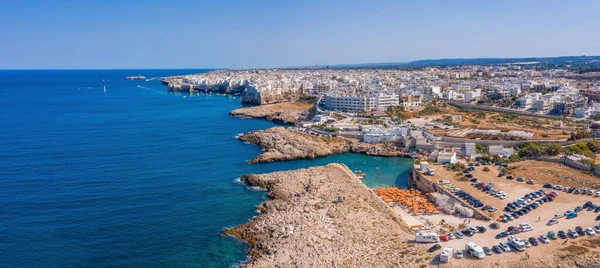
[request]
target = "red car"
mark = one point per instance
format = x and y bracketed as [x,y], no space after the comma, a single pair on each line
[553,194]
[444,238]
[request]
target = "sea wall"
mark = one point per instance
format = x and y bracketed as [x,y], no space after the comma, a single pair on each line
[424,184]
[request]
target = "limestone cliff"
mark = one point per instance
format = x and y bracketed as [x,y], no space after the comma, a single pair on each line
[325,217]
[282,113]
[291,143]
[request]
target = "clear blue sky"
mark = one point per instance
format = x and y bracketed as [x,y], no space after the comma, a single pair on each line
[241,34]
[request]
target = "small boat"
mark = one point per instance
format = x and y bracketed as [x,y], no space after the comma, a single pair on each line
[104,88]
[361,175]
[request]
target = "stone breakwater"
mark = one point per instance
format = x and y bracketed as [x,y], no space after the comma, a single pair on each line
[282,144]
[325,217]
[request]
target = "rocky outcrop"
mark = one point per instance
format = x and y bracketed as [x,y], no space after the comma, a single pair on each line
[282,113]
[325,217]
[283,144]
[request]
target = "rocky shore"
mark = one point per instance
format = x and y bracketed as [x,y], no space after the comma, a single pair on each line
[325,217]
[282,113]
[282,144]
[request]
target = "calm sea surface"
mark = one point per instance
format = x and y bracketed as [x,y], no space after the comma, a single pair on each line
[131,177]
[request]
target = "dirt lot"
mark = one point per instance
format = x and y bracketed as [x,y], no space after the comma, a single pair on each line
[539,171]
[554,173]
[544,128]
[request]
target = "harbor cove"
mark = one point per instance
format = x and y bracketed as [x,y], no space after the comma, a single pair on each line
[134,175]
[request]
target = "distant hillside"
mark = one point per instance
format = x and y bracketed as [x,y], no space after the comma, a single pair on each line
[483,61]
[540,61]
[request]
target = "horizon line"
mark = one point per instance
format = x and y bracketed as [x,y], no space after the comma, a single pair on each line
[298,67]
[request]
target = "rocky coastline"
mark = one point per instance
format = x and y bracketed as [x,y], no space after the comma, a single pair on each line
[324,217]
[284,144]
[287,113]
[249,95]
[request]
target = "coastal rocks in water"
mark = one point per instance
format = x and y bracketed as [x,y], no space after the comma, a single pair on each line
[283,144]
[282,113]
[324,217]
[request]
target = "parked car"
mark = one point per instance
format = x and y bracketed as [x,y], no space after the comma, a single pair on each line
[434,248]
[487,251]
[530,182]
[572,215]
[544,239]
[501,235]
[557,187]
[444,238]
[527,244]
[504,247]
[552,235]
[497,249]
[547,185]
[533,241]
[573,234]
[494,225]
[481,229]
[552,222]
[596,228]
[579,230]
[459,254]
[589,231]
[459,235]
[562,234]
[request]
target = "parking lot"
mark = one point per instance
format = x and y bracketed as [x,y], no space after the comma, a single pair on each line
[537,218]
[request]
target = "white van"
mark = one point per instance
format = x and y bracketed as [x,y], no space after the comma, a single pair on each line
[475,250]
[517,243]
[446,255]
[427,238]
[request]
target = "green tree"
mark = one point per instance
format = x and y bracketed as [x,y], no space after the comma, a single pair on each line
[481,149]
[530,149]
[594,146]
[514,158]
[553,148]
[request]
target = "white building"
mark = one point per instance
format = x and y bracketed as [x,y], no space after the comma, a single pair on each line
[375,135]
[470,149]
[444,157]
[384,99]
[339,101]
[471,96]
[321,118]
[500,150]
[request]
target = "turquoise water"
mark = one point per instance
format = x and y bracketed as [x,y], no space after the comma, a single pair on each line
[134,176]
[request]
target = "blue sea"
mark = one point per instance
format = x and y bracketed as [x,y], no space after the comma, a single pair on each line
[131,177]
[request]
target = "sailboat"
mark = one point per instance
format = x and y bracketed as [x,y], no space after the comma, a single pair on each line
[104,88]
